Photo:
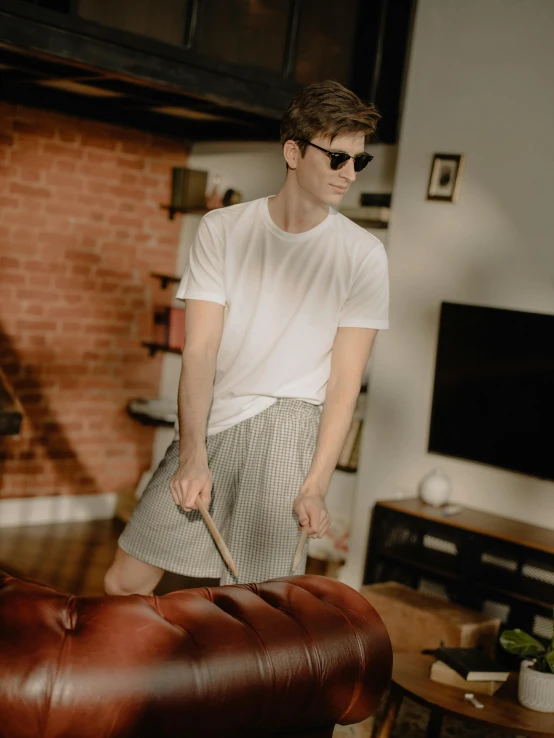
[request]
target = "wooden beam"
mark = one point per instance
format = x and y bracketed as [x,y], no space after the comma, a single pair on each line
[138,116]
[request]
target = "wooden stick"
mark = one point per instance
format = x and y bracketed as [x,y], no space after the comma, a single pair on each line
[219,542]
[300,548]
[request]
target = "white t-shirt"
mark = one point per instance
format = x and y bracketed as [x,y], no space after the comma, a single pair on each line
[285,295]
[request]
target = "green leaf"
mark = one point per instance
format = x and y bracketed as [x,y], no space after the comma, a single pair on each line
[520,644]
[549,658]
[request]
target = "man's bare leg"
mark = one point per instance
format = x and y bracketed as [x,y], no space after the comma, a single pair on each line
[128,575]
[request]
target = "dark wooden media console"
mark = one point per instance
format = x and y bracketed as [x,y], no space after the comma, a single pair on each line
[499,566]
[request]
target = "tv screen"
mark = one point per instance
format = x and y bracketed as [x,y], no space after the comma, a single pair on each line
[493,396]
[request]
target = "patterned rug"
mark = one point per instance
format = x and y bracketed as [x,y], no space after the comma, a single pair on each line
[412,723]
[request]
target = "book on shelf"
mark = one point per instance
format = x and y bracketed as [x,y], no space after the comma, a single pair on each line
[472,664]
[355,455]
[443,674]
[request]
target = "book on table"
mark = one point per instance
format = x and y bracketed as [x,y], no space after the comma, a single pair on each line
[472,664]
[443,674]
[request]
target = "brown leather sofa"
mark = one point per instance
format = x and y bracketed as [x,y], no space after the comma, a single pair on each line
[289,657]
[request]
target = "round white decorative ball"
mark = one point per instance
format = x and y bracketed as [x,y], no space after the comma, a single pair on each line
[435,488]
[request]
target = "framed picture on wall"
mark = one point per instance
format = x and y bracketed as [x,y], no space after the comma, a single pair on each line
[445,178]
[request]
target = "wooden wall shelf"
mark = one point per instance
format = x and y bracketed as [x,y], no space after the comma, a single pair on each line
[165,279]
[374,224]
[137,411]
[173,209]
[153,348]
[347,469]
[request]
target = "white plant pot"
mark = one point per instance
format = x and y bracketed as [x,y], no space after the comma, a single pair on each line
[535,688]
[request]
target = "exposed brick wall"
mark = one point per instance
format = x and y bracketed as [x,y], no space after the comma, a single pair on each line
[80,231]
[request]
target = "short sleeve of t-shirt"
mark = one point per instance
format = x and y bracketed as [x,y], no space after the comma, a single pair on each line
[203,278]
[367,305]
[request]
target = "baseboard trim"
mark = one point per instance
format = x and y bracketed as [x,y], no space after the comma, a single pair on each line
[58,509]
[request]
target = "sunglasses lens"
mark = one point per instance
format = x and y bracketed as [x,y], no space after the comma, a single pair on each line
[338,160]
[361,162]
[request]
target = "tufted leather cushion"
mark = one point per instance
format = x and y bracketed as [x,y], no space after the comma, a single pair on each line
[279,658]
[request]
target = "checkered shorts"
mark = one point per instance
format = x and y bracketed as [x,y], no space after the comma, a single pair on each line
[258,467]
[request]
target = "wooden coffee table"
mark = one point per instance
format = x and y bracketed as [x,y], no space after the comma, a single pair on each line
[410,678]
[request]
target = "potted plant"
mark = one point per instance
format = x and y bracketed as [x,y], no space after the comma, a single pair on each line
[536,675]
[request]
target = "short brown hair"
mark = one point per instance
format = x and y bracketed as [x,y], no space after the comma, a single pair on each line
[326,109]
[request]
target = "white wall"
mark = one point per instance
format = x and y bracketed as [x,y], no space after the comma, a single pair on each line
[480,83]
[257,169]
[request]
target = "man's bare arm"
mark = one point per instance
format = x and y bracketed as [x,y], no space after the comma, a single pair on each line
[204,327]
[351,351]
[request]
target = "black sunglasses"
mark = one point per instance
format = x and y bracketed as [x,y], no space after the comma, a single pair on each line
[339,158]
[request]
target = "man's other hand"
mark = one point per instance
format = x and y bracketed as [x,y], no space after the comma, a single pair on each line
[312,512]
[191,480]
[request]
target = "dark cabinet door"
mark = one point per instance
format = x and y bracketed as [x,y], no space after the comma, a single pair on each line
[164,20]
[247,33]
[325,41]
[60,6]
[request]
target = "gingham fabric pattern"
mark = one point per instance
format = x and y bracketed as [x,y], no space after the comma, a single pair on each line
[258,467]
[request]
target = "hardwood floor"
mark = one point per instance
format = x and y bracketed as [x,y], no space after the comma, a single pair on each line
[72,557]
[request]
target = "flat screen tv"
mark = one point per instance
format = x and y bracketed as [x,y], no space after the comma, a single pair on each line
[493,395]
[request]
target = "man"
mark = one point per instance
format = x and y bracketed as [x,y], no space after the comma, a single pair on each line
[284,297]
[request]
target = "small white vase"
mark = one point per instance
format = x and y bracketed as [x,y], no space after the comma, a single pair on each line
[535,688]
[435,488]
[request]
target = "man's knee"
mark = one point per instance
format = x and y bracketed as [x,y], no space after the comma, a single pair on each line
[114,583]
[128,575]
